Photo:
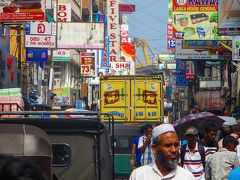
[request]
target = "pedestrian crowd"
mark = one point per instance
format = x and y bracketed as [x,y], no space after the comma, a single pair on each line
[158,154]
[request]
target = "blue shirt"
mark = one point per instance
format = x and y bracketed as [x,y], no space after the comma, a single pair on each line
[138,152]
[234,174]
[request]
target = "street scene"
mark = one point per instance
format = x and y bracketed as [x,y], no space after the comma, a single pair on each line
[120,89]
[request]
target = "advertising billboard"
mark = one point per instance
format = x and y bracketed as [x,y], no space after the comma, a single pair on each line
[229,17]
[127,52]
[62,95]
[80,35]
[205,49]
[195,20]
[16,10]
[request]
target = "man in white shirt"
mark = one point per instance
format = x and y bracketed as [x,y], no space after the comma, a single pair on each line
[166,151]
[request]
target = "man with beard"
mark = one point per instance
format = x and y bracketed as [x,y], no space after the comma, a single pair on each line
[165,148]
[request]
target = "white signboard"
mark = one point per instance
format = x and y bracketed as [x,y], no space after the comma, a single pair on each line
[86,70]
[113,29]
[121,68]
[61,55]
[64,12]
[80,35]
[192,49]
[40,28]
[36,41]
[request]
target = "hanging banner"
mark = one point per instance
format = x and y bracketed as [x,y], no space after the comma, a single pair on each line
[195,19]
[228,17]
[16,10]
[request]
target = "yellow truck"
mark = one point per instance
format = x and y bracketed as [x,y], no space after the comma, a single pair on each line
[132,99]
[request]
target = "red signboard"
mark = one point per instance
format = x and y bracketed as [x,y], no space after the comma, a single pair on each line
[88,58]
[127,52]
[22,10]
[126,8]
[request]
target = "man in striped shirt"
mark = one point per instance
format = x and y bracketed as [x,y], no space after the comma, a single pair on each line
[145,146]
[193,158]
[209,140]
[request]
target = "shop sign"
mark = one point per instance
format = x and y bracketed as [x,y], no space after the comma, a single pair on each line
[187,49]
[181,80]
[124,34]
[121,68]
[36,41]
[86,70]
[113,29]
[36,54]
[63,13]
[105,53]
[194,19]
[41,28]
[88,58]
[61,55]
[22,10]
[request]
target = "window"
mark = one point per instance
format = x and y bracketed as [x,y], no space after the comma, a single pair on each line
[61,155]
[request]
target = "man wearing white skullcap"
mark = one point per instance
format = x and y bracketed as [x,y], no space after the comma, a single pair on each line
[165,148]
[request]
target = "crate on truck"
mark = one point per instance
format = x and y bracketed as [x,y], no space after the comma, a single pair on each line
[132,99]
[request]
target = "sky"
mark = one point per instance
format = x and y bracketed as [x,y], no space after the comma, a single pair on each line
[149,22]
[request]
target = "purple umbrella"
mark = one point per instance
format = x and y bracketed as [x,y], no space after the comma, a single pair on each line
[199,120]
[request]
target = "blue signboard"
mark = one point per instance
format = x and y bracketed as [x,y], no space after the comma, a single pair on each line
[181,66]
[181,80]
[172,43]
[36,54]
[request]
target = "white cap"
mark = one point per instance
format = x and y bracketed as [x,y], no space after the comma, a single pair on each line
[162,128]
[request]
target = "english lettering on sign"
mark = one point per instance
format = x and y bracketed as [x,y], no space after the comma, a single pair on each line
[63,12]
[113,29]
